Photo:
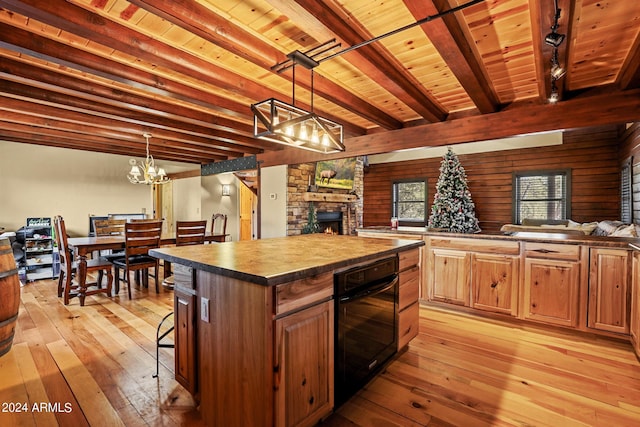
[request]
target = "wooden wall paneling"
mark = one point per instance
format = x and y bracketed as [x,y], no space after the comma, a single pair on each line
[592,155]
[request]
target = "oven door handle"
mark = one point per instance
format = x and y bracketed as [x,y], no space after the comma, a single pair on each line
[378,288]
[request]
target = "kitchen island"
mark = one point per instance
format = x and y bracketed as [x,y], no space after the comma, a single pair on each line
[254,322]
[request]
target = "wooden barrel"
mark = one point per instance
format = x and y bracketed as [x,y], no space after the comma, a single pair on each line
[9,295]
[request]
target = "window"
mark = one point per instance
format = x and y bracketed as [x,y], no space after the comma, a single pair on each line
[410,202]
[626,192]
[542,195]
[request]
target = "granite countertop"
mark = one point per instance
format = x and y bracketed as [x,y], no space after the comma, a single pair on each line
[541,237]
[283,259]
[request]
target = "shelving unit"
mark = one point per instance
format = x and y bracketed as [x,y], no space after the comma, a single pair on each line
[39,251]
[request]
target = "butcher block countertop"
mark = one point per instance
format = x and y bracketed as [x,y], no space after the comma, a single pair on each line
[283,259]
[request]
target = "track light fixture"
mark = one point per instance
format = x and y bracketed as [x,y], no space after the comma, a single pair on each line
[557,72]
[554,96]
[554,38]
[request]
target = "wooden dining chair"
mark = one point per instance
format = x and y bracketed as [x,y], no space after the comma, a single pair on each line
[67,281]
[218,224]
[187,233]
[139,238]
[109,227]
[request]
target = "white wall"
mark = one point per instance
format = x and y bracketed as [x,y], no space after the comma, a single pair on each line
[273,201]
[212,201]
[186,199]
[38,181]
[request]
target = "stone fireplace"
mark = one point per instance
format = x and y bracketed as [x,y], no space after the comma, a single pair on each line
[348,213]
[330,222]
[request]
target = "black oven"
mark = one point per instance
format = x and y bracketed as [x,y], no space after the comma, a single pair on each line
[366,301]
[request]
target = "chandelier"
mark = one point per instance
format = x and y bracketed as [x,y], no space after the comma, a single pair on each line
[145,172]
[284,123]
[287,124]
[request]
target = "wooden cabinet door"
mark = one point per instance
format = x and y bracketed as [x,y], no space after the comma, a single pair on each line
[609,290]
[634,329]
[551,291]
[185,339]
[449,274]
[408,307]
[304,366]
[494,283]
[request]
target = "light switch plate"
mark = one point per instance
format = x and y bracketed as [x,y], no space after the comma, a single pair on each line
[204,309]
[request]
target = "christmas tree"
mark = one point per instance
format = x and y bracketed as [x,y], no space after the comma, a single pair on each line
[453,209]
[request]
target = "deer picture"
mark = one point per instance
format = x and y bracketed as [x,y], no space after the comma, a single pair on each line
[327,174]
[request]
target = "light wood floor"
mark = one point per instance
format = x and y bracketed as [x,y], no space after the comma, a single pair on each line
[93,365]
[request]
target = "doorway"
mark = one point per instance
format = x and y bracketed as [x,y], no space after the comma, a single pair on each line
[163,206]
[247,210]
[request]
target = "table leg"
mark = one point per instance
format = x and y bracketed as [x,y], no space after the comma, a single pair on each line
[166,266]
[82,277]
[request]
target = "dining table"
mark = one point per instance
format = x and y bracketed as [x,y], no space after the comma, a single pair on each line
[82,247]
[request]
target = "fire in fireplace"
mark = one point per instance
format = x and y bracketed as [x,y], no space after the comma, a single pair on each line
[329,222]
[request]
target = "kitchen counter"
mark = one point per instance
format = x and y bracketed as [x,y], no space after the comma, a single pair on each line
[282,259]
[540,237]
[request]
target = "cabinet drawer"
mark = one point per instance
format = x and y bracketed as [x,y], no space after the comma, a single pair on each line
[408,259]
[489,246]
[183,276]
[300,293]
[409,287]
[408,322]
[552,251]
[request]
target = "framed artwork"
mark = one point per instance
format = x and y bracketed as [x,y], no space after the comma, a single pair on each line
[338,173]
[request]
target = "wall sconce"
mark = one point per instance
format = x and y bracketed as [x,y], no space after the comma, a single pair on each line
[226,189]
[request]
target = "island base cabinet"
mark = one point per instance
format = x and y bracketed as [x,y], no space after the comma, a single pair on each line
[408,306]
[184,338]
[551,291]
[304,366]
[609,289]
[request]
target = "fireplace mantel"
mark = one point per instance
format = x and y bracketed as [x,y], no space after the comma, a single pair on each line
[329,197]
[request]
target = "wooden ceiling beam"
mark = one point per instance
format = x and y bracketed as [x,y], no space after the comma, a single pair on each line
[31,135]
[116,96]
[610,107]
[146,121]
[449,40]
[84,23]
[199,20]
[78,120]
[373,60]
[160,147]
[174,139]
[629,77]
[34,45]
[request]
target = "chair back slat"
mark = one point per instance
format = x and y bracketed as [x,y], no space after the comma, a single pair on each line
[190,232]
[218,223]
[142,236]
[109,227]
[63,247]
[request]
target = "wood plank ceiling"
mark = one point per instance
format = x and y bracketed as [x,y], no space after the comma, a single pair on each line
[96,74]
